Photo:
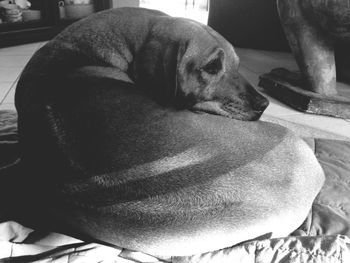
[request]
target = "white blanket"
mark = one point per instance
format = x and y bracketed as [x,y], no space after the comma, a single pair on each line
[21,244]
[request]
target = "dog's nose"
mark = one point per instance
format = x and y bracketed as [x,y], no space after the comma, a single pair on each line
[261,104]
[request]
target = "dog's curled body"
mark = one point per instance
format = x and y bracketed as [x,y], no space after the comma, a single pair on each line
[124,159]
[179,61]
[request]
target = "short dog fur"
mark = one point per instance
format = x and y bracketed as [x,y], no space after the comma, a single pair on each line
[108,127]
[178,61]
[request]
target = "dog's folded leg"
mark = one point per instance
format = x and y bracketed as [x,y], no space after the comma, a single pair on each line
[100,72]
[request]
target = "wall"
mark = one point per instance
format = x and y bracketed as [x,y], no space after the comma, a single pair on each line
[248,23]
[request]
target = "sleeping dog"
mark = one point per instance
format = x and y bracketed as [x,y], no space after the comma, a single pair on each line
[180,62]
[118,127]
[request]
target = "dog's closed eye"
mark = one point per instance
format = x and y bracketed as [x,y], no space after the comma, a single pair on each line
[213,67]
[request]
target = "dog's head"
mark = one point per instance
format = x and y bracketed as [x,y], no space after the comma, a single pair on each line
[208,79]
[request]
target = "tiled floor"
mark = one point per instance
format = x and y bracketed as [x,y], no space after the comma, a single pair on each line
[253,64]
[12,61]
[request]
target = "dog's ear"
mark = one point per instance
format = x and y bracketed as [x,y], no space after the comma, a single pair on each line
[214,64]
[194,71]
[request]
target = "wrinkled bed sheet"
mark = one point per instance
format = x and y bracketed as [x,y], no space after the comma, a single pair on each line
[323,237]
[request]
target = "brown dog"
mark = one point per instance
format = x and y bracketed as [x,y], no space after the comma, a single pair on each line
[132,164]
[178,61]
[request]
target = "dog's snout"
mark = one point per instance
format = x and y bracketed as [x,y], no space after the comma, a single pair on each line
[261,104]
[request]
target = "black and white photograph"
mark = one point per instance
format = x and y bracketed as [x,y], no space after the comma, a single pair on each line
[175,131]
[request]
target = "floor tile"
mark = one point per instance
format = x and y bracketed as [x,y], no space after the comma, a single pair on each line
[261,62]
[19,50]
[14,61]
[9,74]
[10,97]
[343,89]
[249,75]
[279,55]
[328,124]
[303,130]
[4,89]
[7,106]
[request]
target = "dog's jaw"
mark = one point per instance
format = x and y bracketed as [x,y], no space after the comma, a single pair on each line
[226,110]
[238,112]
[213,107]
